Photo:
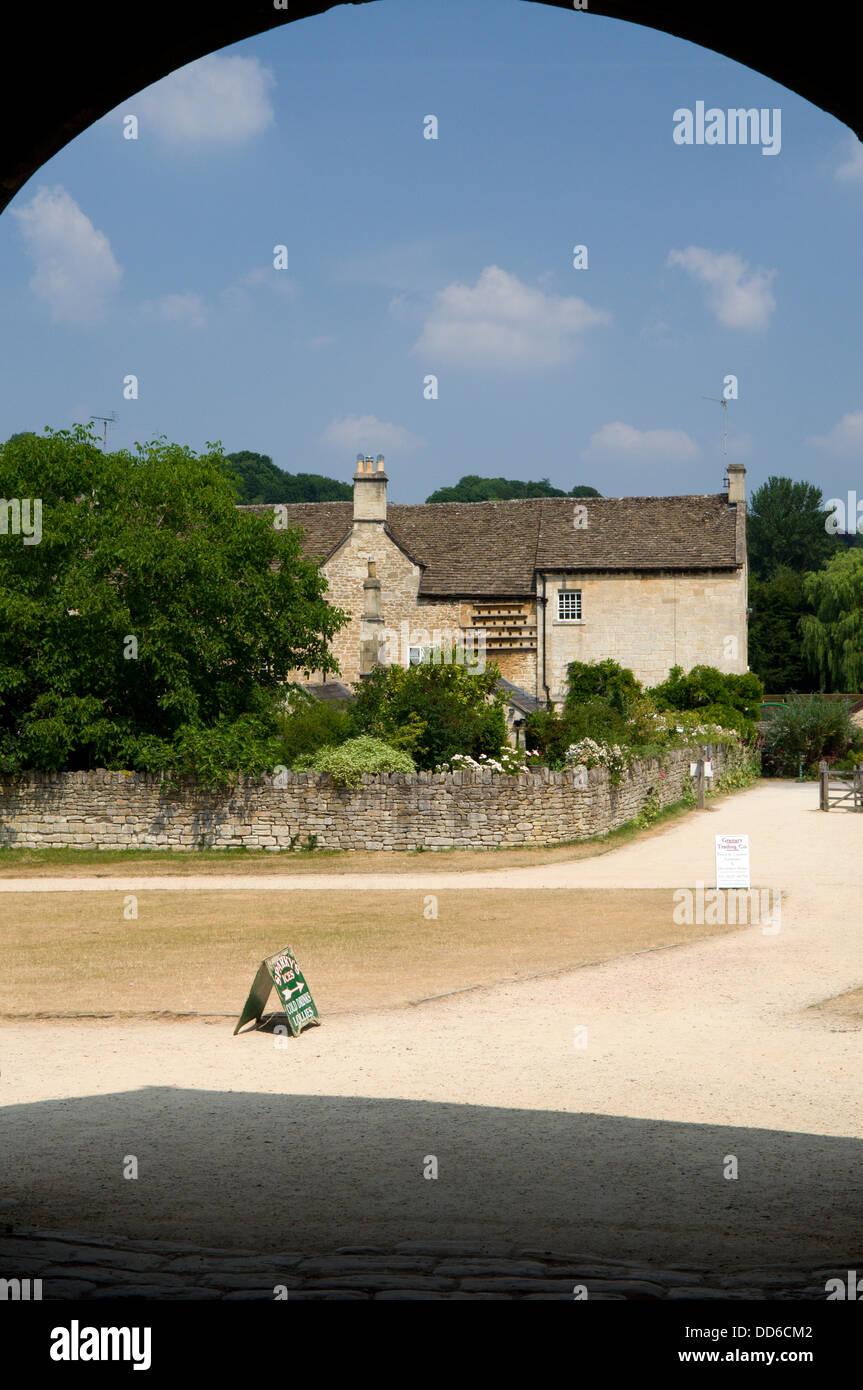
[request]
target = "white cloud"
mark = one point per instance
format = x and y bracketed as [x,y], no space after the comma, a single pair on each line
[852,169]
[656,328]
[738,299]
[187,309]
[399,266]
[214,101]
[624,442]
[368,435]
[500,322]
[75,267]
[272,281]
[845,440]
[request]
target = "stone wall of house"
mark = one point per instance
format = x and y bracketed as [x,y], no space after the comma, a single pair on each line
[119,810]
[408,620]
[345,572]
[650,623]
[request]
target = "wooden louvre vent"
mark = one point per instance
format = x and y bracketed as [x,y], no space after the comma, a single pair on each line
[507,626]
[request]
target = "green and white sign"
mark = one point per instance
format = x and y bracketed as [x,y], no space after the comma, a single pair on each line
[283,972]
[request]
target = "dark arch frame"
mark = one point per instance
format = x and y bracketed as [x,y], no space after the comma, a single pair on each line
[92,57]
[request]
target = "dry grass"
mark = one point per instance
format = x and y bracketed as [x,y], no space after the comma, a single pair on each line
[73,954]
[850,1004]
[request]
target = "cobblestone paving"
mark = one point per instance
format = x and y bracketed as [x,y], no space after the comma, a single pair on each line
[74,1264]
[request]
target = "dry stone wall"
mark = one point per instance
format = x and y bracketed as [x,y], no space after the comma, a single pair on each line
[120,810]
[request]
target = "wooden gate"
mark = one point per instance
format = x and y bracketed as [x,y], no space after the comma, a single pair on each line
[843,789]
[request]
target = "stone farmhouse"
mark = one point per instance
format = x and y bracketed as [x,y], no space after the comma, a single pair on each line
[652,582]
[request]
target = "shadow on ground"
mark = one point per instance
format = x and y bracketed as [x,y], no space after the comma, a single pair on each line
[310,1173]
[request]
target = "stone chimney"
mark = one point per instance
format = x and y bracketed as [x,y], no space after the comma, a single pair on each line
[370,626]
[370,489]
[736,482]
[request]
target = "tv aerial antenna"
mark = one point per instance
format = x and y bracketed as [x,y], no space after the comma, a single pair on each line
[105,421]
[723,438]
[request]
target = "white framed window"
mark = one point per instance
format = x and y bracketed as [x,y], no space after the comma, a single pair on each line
[415,656]
[568,605]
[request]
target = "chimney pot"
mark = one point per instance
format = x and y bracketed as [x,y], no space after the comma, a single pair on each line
[370,490]
[736,482]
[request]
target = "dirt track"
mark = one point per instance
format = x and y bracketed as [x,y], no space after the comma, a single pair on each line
[616,1148]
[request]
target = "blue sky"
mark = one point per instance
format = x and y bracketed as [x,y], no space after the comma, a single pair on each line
[409,257]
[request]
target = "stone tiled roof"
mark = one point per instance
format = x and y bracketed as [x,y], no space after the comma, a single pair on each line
[325,523]
[330,692]
[494,549]
[518,697]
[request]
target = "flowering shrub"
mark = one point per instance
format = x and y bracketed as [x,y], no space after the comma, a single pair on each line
[674,727]
[347,762]
[588,753]
[508,760]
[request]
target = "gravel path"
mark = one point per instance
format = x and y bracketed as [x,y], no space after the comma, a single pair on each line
[695,1056]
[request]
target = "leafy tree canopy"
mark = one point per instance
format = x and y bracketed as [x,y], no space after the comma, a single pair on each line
[432,710]
[710,691]
[833,633]
[472,488]
[259,480]
[308,725]
[786,527]
[775,652]
[154,625]
[805,730]
[603,680]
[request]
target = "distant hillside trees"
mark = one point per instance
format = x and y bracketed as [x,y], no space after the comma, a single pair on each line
[259,480]
[472,488]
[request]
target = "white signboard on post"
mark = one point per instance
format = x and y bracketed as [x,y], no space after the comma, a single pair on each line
[732,861]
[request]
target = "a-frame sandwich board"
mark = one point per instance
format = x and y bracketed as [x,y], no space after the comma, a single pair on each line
[282,972]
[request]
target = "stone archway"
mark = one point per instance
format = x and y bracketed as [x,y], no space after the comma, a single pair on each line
[80,61]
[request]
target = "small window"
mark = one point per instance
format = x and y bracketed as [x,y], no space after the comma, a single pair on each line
[415,656]
[568,605]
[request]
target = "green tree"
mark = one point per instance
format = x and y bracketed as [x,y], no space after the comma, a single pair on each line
[805,730]
[154,625]
[718,696]
[777,606]
[259,480]
[786,527]
[833,632]
[605,680]
[308,725]
[444,709]
[473,488]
